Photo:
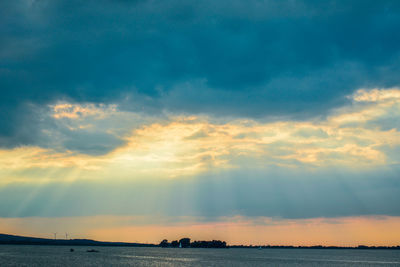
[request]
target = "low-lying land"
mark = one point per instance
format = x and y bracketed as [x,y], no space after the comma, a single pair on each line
[182,243]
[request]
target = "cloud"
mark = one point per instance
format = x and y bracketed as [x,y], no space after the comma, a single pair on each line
[205,167]
[88,128]
[109,139]
[294,59]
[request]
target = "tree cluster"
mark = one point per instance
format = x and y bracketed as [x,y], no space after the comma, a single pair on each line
[185,243]
[208,244]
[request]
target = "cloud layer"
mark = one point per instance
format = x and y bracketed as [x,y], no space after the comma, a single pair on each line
[172,145]
[202,166]
[256,59]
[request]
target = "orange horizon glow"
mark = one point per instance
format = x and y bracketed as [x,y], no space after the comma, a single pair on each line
[343,231]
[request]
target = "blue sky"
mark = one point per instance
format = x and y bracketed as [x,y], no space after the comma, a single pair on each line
[199,109]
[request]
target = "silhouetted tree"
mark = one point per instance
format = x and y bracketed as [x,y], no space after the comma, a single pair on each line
[175,244]
[164,243]
[209,244]
[185,242]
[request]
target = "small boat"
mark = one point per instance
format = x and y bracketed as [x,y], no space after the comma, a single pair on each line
[71,250]
[92,250]
[260,247]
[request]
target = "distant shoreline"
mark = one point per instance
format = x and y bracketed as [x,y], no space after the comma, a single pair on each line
[22,240]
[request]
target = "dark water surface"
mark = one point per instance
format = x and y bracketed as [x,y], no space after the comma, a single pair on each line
[118,256]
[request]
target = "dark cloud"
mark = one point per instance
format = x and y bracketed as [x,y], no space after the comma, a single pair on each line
[240,58]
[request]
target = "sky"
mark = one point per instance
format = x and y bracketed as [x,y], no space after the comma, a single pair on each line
[252,122]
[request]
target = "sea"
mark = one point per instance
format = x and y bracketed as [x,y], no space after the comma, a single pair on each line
[24,255]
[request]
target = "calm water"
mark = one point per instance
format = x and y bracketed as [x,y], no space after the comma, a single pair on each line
[117,256]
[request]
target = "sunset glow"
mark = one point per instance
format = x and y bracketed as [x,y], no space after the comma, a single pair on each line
[254,123]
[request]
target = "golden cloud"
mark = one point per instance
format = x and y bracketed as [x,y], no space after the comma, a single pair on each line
[75,111]
[182,146]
